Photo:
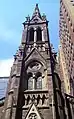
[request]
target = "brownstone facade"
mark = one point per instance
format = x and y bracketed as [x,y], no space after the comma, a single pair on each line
[35,90]
[66,51]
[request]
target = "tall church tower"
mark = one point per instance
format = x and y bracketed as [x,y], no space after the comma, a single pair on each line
[34,88]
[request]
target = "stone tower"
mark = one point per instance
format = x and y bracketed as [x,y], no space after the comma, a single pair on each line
[34,87]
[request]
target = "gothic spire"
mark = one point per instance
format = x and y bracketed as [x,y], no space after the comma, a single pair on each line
[36,12]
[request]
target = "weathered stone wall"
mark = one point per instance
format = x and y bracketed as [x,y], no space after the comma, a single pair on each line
[1,111]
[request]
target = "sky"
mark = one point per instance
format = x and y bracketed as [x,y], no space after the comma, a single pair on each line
[12,15]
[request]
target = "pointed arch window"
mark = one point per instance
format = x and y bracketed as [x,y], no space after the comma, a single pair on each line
[38,80]
[39,34]
[30,81]
[34,76]
[31,34]
[34,82]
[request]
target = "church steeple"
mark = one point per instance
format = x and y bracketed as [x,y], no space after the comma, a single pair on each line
[35,28]
[36,12]
[32,85]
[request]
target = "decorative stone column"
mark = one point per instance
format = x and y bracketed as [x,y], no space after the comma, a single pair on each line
[33,82]
[35,37]
[9,105]
[71,107]
[43,39]
[43,34]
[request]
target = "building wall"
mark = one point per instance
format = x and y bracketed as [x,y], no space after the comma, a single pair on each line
[1,110]
[67,41]
[64,72]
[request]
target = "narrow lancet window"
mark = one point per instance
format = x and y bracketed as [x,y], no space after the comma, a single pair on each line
[31,34]
[38,81]
[39,34]
[30,81]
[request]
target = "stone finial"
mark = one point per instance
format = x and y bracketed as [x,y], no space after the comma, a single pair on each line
[36,12]
[44,17]
[28,18]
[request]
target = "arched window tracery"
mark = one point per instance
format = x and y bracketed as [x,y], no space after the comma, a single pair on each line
[31,34]
[34,75]
[39,34]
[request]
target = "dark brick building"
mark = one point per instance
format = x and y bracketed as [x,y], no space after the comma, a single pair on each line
[34,88]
